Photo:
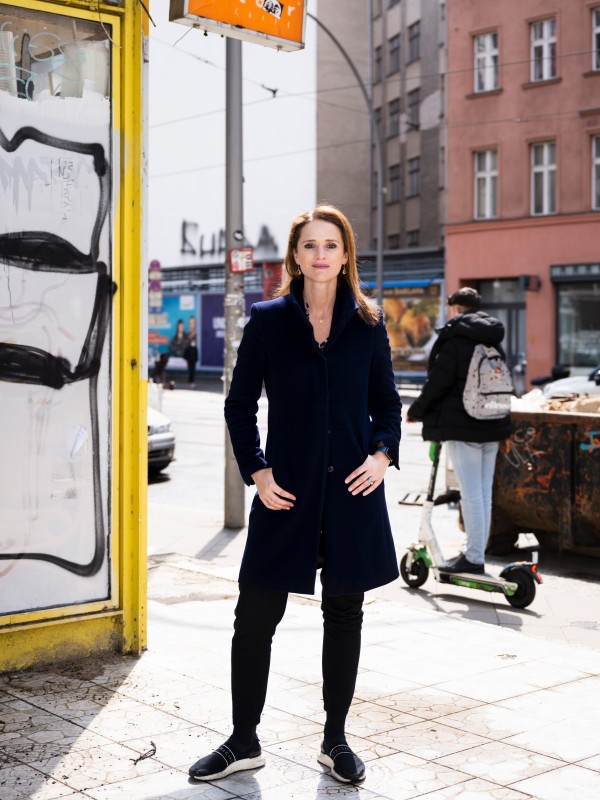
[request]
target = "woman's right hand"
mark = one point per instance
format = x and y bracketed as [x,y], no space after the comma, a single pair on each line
[272,496]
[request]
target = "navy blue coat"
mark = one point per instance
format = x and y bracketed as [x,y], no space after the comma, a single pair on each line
[326,411]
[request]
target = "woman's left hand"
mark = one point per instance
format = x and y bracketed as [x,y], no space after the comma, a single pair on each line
[369,475]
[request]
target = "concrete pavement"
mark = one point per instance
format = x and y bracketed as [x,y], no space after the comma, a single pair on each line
[457,697]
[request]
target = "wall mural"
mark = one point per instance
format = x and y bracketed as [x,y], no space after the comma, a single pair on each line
[55,310]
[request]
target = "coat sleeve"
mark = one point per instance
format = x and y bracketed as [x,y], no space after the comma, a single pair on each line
[241,404]
[384,402]
[441,378]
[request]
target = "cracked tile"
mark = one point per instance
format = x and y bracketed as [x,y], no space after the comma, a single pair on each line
[306,749]
[475,789]
[429,740]
[179,749]
[98,766]
[366,719]
[21,782]
[492,721]
[429,702]
[393,778]
[278,773]
[501,763]
[568,781]
[167,785]
[566,741]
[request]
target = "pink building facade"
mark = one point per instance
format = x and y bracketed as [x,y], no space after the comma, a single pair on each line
[523,160]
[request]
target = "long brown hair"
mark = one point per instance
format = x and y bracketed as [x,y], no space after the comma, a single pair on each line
[367,309]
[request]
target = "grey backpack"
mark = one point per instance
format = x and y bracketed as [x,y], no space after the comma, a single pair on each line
[489,385]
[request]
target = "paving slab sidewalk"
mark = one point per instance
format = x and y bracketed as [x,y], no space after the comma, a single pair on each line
[444,708]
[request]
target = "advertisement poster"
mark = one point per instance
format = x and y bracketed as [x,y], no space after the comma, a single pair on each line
[212,317]
[170,330]
[412,313]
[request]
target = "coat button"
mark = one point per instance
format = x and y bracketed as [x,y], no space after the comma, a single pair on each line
[329,469]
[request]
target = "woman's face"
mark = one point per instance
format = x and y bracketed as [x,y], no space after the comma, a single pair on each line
[320,251]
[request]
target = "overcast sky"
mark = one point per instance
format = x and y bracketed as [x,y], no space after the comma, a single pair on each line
[187,135]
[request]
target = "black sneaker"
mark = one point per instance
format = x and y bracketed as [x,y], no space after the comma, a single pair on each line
[344,765]
[461,563]
[223,761]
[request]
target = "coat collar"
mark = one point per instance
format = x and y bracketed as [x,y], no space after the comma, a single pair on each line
[344,309]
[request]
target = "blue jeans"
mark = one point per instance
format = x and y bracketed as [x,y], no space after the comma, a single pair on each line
[474,465]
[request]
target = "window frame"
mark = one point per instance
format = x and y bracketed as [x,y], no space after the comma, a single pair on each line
[547,45]
[394,59]
[546,170]
[393,119]
[596,39]
[378,64]
[596,172]
[488,179]
[413,177]
[414,42]
[486,62]
[413,238]
[413,105]
[394,183]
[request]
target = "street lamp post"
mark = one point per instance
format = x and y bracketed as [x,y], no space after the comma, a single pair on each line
[378,156]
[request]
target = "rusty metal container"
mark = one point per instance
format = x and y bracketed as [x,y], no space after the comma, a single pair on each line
[547,481]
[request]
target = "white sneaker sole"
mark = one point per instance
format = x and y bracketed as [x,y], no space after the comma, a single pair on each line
[237,766]
[324,759]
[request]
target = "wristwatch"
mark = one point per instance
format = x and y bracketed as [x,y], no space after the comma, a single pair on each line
[381,447]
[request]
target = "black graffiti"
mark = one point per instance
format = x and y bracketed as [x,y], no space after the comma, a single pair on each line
[45,252]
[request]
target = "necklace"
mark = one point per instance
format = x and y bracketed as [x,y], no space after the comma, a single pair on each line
[320,345]
[321,317]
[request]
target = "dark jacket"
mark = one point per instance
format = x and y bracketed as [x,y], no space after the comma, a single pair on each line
[326,411]
[440,405]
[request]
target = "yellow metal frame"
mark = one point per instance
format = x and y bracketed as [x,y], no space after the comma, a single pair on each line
[119,623]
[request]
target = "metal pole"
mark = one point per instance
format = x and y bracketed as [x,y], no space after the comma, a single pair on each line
[378,157]
[234,282]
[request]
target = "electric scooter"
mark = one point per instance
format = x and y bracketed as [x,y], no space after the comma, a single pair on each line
[517,581]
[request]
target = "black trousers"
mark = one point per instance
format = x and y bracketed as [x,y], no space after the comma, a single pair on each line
[257,614]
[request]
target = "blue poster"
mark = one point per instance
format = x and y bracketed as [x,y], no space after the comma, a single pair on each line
[174,328]
[212,327]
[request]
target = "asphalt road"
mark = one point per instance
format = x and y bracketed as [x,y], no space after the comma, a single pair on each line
[186,516]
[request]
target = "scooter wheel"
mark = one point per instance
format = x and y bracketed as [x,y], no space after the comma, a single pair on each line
[525,594]
[416,575]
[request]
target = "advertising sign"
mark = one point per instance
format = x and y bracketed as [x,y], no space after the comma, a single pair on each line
[413,311]
[267,22]
[241,260]
[212,315]
[170,331]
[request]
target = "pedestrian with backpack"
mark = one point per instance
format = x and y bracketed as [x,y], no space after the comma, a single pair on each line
[465,402]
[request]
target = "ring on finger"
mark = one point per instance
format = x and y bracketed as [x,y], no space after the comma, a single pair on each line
[371,480]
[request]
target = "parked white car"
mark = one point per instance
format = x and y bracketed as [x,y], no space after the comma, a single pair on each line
[576,386]
[161,441]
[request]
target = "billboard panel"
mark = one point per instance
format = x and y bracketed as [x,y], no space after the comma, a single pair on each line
[413,310]
[267,22]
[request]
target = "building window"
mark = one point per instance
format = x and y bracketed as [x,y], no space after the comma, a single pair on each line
[596,173]
[412,238]
[377,115]
[378,64]
[596,39]
[392,3]
[543,50]
[394,241]
[394,54]
[486,184]
[543,178]
[394,184]
[376,9]
[486,62]
[412,117]
[579,324]
[414,42]
[393,117]
[413,188]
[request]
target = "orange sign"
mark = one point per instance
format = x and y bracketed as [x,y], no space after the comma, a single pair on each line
[268,22]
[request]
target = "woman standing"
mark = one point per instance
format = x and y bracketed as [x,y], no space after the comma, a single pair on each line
[321,350]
